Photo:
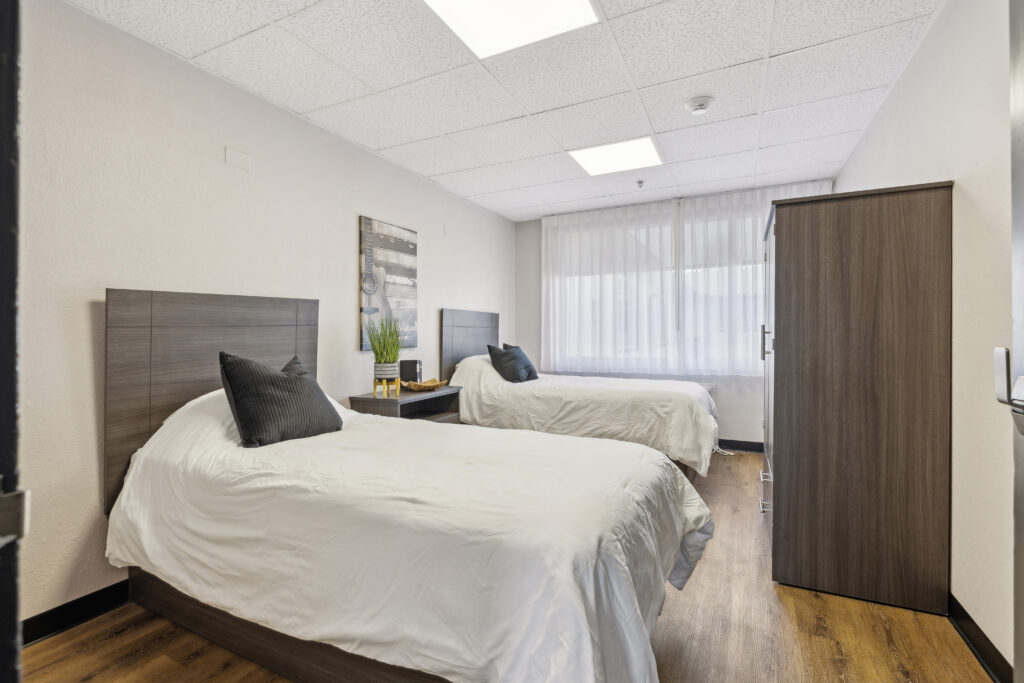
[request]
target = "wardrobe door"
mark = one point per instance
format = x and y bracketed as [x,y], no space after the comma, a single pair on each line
[862,398]
[767,330]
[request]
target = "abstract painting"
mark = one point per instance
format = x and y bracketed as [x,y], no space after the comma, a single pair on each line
[387,277]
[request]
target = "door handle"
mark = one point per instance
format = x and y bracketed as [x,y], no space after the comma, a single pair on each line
[1008,392]
[764,347]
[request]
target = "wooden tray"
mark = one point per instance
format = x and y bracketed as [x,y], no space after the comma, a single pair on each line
[429,385]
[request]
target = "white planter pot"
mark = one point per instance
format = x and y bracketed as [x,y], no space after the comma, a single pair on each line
[385,370]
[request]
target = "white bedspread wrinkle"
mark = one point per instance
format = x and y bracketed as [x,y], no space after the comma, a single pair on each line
[471,553]
[671,416]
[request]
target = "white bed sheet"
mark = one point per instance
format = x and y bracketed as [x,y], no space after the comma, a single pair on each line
[475,554]
[675,417]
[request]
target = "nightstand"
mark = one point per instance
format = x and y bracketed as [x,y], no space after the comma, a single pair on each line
[440,405]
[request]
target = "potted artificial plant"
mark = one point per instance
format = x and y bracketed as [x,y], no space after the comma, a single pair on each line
[385,337]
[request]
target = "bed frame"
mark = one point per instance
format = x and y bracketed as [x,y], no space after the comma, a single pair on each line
[464,334]
[162,352]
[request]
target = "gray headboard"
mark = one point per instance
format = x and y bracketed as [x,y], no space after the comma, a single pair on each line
[463,334]
[162,352]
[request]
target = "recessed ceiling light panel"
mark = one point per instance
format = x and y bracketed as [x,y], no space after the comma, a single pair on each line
[501,25]
[618,156]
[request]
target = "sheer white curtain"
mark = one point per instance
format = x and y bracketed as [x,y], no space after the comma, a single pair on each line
[609,290]
[721,278]
[670,288]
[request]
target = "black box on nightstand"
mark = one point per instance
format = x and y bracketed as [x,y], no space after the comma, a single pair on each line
[410,370]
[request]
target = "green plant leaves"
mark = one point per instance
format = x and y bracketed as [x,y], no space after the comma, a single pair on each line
[385,339]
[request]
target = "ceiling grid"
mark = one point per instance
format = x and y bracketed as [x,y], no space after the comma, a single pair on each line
[795,83]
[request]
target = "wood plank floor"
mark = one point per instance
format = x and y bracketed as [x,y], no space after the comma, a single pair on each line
[730,623]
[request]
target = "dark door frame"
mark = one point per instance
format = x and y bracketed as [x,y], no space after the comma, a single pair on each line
[10,626]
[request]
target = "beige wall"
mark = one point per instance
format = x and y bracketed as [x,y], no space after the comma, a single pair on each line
[528,288]
[124,184]
[947,119]
[740,400]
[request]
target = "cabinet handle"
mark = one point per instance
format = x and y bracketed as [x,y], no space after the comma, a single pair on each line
[765,476]
[765,507]
[764,350]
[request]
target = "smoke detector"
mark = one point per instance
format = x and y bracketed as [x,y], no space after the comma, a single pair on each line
[698,106]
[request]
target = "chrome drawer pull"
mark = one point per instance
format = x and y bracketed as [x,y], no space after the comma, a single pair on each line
[765,507]
[766,476]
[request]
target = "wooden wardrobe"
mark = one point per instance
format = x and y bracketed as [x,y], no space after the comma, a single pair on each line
[857,350]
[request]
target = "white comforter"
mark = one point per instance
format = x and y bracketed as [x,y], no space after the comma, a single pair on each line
[674,417]
[471,553]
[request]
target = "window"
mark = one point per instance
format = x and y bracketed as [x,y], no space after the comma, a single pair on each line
[671,288]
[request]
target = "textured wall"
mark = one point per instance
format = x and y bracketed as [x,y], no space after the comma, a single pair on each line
[124,184]
[947,118]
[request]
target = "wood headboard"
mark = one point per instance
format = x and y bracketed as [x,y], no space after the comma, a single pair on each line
[463,334]
[162,352]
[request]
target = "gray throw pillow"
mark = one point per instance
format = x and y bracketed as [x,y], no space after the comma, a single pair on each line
[531,372]
[511,363]
[275,405]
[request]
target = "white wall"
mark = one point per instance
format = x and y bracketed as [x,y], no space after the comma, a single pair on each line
[123,184]
[528,288]
[947,118]
[740,400]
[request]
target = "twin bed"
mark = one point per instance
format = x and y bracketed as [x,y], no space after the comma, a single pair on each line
[392,550]
[674,417]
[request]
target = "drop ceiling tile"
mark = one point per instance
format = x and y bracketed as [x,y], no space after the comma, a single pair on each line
[509,199]
[714,168]
[615,8]
[860,62]
[802,23]
[551,168]
[384,43]
[275,10]
[462,98]
[625,182]
[798,175]
[817,152]
[819,119]
[714,139]
[275,65]
[375,121]
[654,178]
[575,206]
[574,190]
[737,92]
[512,175]
[433,156]
[598,122]
[190,28]
[473,181]
[573,67]
[507,141]
[661,195]
[598,203]
[717,186]
[686,37]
